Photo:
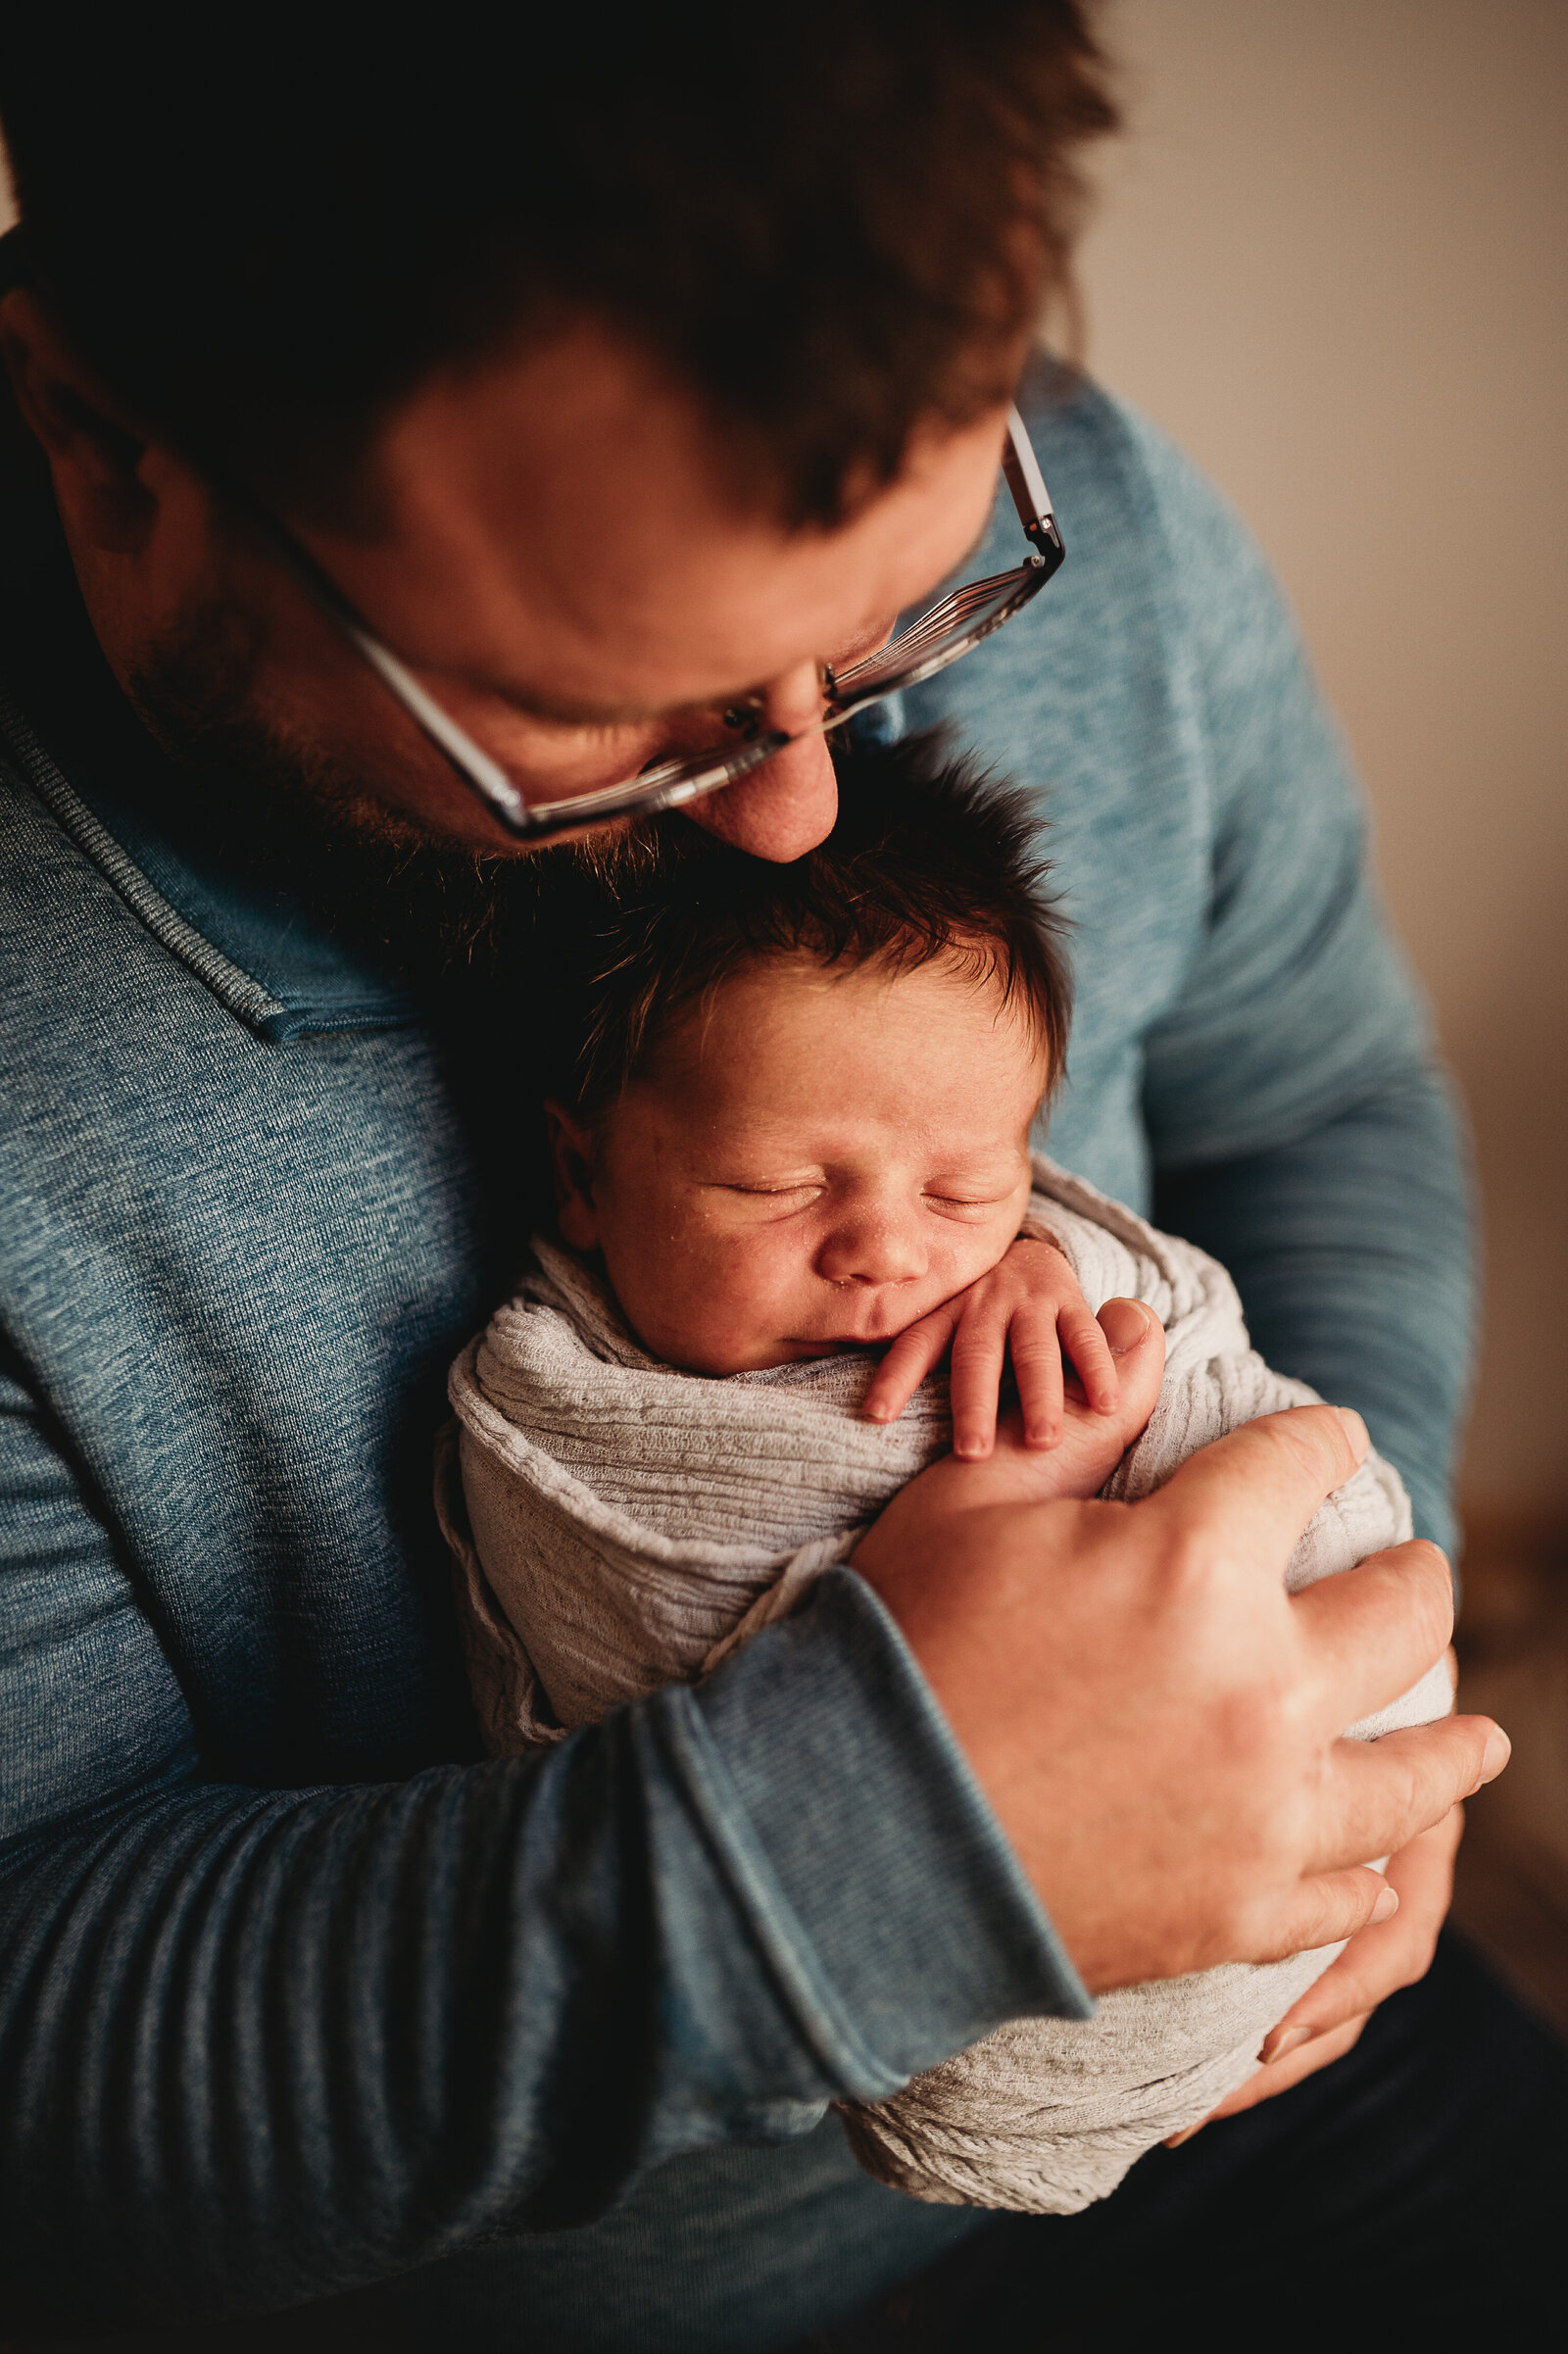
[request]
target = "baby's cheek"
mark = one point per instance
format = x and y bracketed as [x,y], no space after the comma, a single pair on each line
[757,1283]
[731,1301]
[975,1251]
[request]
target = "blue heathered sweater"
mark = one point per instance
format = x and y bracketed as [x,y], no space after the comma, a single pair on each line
[295,1996]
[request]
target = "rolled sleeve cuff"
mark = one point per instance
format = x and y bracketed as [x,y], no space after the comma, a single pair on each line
[895,1919]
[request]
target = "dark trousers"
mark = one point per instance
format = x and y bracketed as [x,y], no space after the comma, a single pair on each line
[1421,2183]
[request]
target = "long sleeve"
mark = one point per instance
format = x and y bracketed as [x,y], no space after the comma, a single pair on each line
[1299,1126]
[1351,1246]
[1249,1059]
[259,2046]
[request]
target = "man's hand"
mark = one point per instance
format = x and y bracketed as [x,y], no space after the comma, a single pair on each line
[1377,1962]
[1158,1723]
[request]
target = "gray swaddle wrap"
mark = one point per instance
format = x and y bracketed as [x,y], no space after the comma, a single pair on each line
[623,1525]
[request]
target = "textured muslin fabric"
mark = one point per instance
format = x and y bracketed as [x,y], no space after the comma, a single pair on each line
[636,1523]
[622,1524]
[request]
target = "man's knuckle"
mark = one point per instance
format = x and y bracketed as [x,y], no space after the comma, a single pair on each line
[1308,1434]
[1415,1967]
[1247,1720]
[1191,1561]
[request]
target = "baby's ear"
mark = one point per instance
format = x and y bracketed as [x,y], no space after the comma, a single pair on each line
[571,1162]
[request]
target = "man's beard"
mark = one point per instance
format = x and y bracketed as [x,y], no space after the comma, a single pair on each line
[480,939]
[305,822]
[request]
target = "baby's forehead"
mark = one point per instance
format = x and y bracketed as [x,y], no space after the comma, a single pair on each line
[796,1027]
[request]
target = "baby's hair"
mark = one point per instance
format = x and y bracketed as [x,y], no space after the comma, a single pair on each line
[929,861]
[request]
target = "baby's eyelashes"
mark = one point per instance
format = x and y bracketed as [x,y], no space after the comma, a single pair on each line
[965,1209]
[773,1193]
[788,1194]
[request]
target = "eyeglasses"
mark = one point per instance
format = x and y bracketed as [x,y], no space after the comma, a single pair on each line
[946,631]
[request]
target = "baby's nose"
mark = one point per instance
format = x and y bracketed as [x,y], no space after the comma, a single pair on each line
[871,1248]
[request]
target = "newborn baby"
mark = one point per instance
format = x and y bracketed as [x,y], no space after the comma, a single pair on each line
[790,1128]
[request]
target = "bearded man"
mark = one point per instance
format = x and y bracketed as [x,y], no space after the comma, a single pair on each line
[422,448]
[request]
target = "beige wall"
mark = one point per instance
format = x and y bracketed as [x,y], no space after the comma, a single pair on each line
[1332,258]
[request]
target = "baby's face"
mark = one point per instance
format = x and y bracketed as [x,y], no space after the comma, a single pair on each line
[814,1160]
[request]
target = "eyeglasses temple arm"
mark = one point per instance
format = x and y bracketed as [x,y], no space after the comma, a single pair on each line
[1028,487]
[486,776]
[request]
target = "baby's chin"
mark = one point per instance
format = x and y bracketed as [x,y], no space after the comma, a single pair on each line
[719,1355]
[792,1352]
[761,1357]
[754,1355]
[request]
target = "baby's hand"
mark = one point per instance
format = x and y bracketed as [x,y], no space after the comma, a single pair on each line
[1029,1305]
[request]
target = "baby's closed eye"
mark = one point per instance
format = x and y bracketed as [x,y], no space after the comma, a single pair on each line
[968,1208]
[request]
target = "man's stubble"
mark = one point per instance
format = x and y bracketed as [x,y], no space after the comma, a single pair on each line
[306,818]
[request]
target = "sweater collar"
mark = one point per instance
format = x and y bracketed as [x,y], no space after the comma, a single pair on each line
[69,734]
[256,948]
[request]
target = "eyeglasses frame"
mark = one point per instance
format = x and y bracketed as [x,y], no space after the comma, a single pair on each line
[671,783]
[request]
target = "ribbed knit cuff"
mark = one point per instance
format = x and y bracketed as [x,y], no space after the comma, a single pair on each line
[897,1922]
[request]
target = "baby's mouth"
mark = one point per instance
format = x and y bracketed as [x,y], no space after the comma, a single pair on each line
[887,1318]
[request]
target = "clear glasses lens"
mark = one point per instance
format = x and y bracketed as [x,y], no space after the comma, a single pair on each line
[935,638]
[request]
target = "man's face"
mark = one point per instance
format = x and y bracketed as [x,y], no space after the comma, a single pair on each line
[565,558]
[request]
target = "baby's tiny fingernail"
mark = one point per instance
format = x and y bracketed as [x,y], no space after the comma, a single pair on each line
[1041,1438]
[1284,2040]
[968,1448]
[877,1412]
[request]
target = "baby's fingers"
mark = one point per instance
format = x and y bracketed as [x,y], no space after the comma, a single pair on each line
[1080,1335]
[1036,1368]
[978,1349]
[908,1362]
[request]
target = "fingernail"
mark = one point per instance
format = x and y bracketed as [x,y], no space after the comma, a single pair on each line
[1355,1428]
[1495,1755]
[1283,2040]
[1041,1438]
[1125,1324]
[1387,1905]
[1175,2140]
[970,1448]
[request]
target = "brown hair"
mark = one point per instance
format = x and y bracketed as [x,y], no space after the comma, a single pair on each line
[928,861]
[834,219]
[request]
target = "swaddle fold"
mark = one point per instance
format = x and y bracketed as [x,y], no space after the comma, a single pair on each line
[623,1525]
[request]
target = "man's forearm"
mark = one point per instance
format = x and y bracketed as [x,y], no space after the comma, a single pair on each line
[1350,1249]
[259,2048]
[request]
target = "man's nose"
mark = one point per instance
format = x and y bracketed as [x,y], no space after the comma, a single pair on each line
[868,1246]
[788,806]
